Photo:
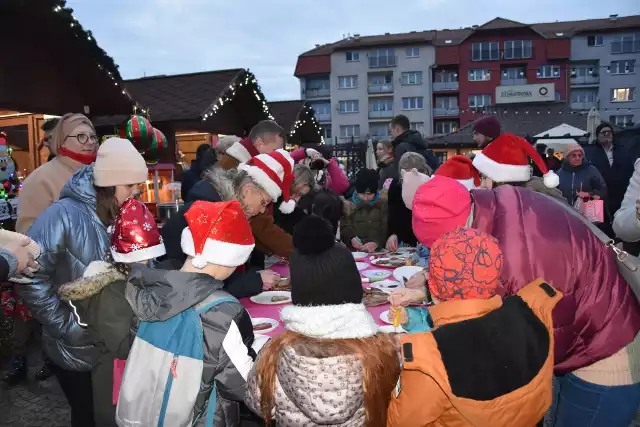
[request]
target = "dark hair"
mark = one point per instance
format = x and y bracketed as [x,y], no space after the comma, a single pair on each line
[266,128]
[603,125]
[207,160]
[202,149]
[106,206]
[550,150]
[49,125]
[541,148]
[402,121]
[324,203]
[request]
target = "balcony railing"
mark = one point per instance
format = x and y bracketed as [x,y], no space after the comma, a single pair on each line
[587,105]
[380,114]
[446,112]
[384,88]
[585,80]
[383,61]
[442,86]
[323,117]
[318,93]
[513,82]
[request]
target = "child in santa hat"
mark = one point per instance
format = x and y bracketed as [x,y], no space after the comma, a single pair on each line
[99,303]
[462,170]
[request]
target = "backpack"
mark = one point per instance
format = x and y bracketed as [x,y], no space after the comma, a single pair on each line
[162,378]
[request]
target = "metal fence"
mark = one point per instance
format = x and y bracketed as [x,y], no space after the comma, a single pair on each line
[353,155]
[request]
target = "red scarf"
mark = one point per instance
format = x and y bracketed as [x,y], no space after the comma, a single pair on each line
[85,159]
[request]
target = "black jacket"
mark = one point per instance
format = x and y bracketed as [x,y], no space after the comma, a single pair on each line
[189,179]
[399,219]
[585,177]
[412,141]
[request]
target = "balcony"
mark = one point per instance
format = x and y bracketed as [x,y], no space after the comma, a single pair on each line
[513,82]
[446,112]
[587,105]
[585,81]
[318,93]
[323,117]
[383,61]
[380,114]
[383,88]
[445,86]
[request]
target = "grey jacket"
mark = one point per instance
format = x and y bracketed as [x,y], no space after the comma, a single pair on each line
[157,295]
[70,236]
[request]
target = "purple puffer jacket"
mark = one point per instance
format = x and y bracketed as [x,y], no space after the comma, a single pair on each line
[599,313]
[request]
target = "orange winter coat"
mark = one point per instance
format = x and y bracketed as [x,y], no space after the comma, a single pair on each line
[485,364]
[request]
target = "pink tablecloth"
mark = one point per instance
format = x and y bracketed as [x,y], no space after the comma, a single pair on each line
[273,311]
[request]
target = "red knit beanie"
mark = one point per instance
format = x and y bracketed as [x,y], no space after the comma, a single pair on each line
[440,205]
[487,126]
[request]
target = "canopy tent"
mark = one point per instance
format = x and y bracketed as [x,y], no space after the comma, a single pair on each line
[593,121]
[561,136]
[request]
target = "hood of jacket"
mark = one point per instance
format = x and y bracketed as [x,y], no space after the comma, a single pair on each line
[86,287]
[536,184]
[80,187]
[412,137]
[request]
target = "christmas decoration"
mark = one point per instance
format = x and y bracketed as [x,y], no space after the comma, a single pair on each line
[135,236]
[248,79]
[307,115]
[158,146]
[139,131]
[7,165]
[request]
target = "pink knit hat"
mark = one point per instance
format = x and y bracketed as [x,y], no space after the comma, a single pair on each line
[440,205]
[411,181]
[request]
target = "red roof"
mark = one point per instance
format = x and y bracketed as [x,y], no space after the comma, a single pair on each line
[318,64]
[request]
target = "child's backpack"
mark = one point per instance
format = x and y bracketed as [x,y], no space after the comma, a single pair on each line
[162,377]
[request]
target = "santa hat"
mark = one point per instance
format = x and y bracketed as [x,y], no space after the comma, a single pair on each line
[273,172]
[461,169]
[217,233]
[506,160]
[135,236]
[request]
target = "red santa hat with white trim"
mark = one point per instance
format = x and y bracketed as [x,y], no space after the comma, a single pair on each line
[273,172]
[134,235]
[461,169]
[217,233]
[506,159]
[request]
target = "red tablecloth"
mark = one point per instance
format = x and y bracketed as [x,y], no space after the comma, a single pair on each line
[273,311]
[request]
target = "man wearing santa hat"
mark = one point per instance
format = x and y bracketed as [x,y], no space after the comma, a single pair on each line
[461,169]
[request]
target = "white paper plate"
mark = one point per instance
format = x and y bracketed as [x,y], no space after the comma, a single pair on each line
[407,250]
[407,271]
[362,266]
[384,316]
[389,329]
[259,341]
[387,285]
[265,297]
[359,255]
[376,274]
[274,324]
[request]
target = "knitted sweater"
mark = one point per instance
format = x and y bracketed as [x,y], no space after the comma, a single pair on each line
[625,224]
[622,368]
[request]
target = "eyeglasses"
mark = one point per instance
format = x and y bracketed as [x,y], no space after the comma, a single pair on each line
[83,138]
[606,133]
[264,203]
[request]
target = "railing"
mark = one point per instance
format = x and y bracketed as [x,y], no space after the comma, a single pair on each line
[383,61]
[384,88]
[440,86]
[513,82]
[585,80]
[323,117]
[587,105]
[318,93]
[380,114]
[446,112]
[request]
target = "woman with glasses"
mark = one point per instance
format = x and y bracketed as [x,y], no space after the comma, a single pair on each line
[74,143]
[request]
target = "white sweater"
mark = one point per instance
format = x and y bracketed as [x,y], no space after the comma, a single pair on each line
[625,224]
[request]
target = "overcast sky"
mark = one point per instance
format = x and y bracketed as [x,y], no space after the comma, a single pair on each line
[151,37]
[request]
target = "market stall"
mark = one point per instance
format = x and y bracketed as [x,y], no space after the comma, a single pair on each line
[298,120]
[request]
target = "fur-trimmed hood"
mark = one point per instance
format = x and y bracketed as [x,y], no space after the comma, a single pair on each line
[86,287]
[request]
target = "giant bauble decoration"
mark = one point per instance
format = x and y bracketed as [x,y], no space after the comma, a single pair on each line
[158,146]
[139,131]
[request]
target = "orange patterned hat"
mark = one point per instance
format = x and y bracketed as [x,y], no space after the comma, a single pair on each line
[465,264]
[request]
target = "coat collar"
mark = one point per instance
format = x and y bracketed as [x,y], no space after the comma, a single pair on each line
[454,311]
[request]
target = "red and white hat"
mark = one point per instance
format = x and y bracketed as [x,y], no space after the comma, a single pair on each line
[461,169]
[135,236]
[274,173]
[217,233]
[506,159]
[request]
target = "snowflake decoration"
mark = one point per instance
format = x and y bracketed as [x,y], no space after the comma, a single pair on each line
[120,236]
[135,221]
[146,226]
[135,247]
[133,207]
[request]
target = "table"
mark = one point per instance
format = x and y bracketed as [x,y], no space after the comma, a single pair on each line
[273,311]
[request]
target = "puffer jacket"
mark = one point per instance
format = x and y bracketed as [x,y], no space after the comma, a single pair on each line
[70,236]
[599,313]
[486,363]
[158,295]
[582,178]
[368,222]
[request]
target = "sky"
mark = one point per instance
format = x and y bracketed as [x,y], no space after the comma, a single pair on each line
[152,37]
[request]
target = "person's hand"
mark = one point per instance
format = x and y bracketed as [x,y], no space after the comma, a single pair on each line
[583,195]
[370,246]
[313,154]
[417,281]
[392,243]
[270,279]
[26,263]
[355,243]
[404,317]
[405,296]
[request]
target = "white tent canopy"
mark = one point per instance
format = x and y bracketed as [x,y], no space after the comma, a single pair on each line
[560,130]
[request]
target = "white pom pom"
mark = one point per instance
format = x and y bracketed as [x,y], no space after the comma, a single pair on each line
[287,207]
[199,262]
[551,180]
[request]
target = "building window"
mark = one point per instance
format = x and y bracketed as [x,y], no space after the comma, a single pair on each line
[623,94]
[380,79]
[350,131]
[477,101]
[382,58]
[349,106]
[444,127]
[622,121]
[412,78]
[325,131]
[418,127]
[347,82]
[379,130]
[583,96]
[441,156]
[514,73]
[627,43]
[413,103]
[623,67]
[479,75]
[584,71]
[352,56]
[381,105]
[548,72]
[517,49]
[594,41]
[322,109]
[413,52]
[487,51]
[446,102]
[445,76]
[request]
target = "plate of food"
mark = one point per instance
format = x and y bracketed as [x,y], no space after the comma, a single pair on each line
[283,285]
[264,325]
[389,262]
[405,273]
[362,266]
[272,297]
[387,285]
[389,329]
[358,256]
[373,297]
[376,274]
[384,316]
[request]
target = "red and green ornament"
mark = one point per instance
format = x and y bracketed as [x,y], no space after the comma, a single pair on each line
[139,131]
[158,146]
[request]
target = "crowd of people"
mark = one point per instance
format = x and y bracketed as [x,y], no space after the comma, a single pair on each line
[521,316]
